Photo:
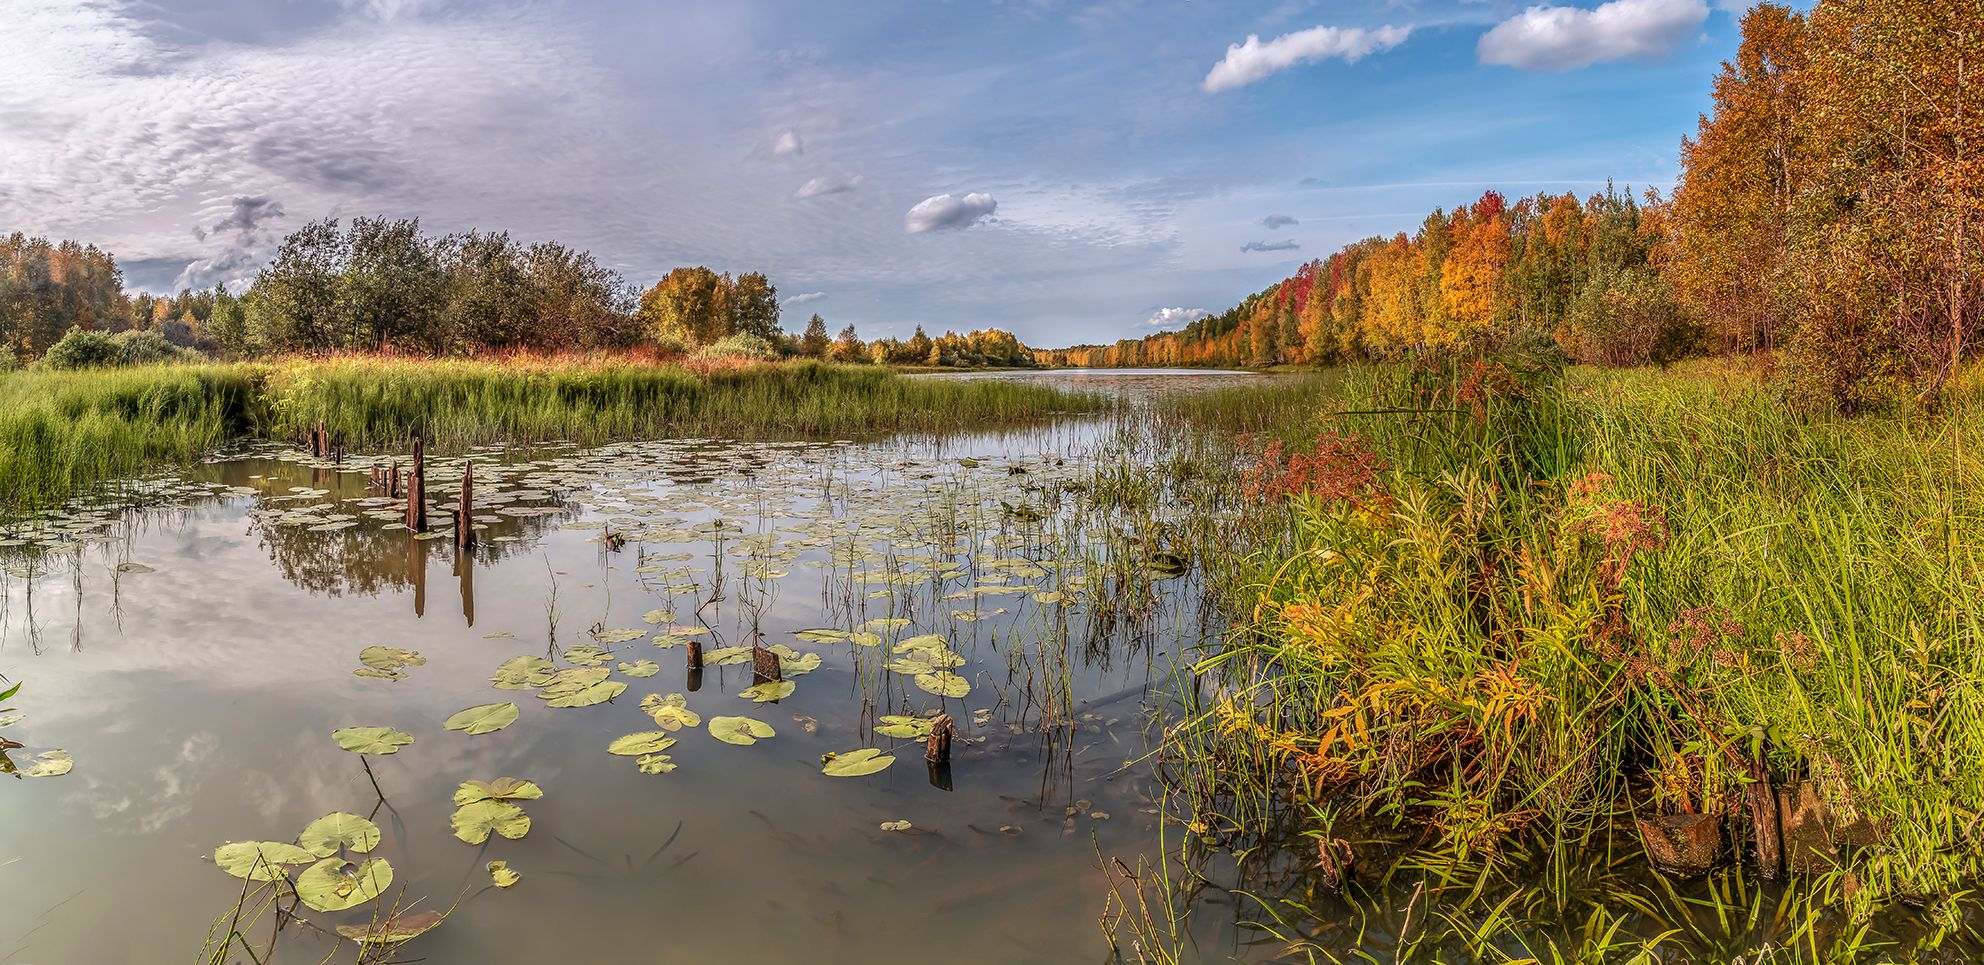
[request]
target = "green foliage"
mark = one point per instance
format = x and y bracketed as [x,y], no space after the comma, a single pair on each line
[83,350]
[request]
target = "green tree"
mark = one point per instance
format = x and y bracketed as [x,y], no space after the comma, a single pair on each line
[815,343]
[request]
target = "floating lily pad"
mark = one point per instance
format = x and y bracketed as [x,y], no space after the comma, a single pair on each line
[260,860]
[770,690]
[724,656]
[48,764]
[895,825]
[518,673]
[501,789]
[640,668]
[589,655]
[865,761]
[390,658]
[338,829]
[501,876]
[399,928]
[1166,566]
[823,635]
[655,617]
[134,568]
[621,635]
[907,728]
[371,740]
[740,730]
[483,718]
[334,884]
[645,742]
[656,764]
[473,822]
[671,712]
[943,683]
[380,674]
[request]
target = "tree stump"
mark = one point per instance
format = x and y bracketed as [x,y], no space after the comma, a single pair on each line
[764,665]
[1682,844]
[416,489]
[1766,829]
[465,513]
[938,748]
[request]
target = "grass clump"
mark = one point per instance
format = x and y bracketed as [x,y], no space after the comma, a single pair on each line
[1491,611]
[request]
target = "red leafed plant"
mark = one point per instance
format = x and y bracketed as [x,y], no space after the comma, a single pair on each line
[1341,469]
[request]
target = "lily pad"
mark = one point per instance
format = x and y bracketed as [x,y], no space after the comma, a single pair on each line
[260,860]
[865,761]
[723,656]
[823,635]
[588,655]
[516,673]
[640,668]
[501,789]
[656,764]
[671,712]
[500,874]
[390,658]
[474,822]
[334,884]
[338,829]
[943,683]
[621,635]
[895,825]
[770,690]
[48,764]
[483,718]
[655,617]
[645,742]
[371,740]
[740,730]
[399,928]
[134,568]
[907,728]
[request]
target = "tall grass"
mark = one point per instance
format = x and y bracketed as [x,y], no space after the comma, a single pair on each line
[65,433]
[1560,602]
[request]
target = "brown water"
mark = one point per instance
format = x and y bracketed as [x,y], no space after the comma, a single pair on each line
[197,690]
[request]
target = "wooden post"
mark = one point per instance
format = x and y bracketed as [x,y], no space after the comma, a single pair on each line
[938,749]
[764,664]
[695,654]
[339,458]
[465,513]
[416,489]
[1764,819]
[393,481]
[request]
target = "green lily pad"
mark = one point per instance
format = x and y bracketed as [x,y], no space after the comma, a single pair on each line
[645,742]
[943,683]
[723,656]
[260,860]
[338,829]
[48,764]
[823,635]
[474,822]
[621,635]
[895,825]
[399,928]
[134,568]
[655,617]
[865,639]
[334,884]
[640,668]
[501,789]
[656,764]
[912,665]
[907,728]
[865,761]
[390,658]
[483,718]
[740,730]
[500,874]
[770,690]
[588,655]
[371,740]
[380,674]
[671,712]
[517,673]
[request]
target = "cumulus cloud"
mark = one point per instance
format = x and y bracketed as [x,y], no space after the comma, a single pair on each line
[948,211]
[828,184]
[1277,221]
[787,144]
[1546,37]
[246,242]
[1253,60]
[803,297]
[1269,246]
[1165,319]
[244,214]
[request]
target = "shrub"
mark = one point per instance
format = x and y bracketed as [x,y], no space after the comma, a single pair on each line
[145,348]
[83,350]
[1628,317]
[739,346]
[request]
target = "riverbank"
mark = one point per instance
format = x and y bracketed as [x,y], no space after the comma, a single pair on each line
[63,433]
[1498,619]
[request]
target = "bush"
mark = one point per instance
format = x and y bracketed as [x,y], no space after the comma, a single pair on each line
[146,348]
[1627,318]
[83,350]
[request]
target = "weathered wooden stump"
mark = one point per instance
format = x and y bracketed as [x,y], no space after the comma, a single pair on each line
[1766,830]
[1682,844]
[765,665]
[695,649]
[937,749]
[416,489]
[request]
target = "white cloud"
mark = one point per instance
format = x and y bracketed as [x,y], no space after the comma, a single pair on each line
[1546,37]
[1253,60]
[787,144]
[803,297]
[1165,319]
[1269,246]
[828,184]
[1276,221]
[948,211]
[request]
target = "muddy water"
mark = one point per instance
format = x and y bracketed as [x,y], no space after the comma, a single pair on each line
[193,658]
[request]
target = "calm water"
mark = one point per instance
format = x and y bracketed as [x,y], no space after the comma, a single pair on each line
[194,657]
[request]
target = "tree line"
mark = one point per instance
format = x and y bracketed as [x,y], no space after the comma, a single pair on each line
[1830,215]
[385,286]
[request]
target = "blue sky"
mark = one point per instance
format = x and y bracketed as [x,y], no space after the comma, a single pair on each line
[1072,171]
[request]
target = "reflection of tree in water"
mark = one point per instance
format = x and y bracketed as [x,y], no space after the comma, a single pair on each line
[366,560]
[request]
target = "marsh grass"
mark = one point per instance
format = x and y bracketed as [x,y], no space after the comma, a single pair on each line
[1500,612]
[64,434]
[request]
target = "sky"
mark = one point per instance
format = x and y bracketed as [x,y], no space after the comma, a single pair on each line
[1074,171]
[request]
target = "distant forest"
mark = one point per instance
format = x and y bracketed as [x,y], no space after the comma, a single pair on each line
[376,285]
[1830,216]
